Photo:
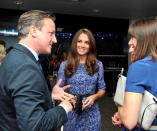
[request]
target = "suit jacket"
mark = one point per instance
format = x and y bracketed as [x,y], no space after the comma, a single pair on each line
[25,100]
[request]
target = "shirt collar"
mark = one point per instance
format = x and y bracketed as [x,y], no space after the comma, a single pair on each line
[32,51]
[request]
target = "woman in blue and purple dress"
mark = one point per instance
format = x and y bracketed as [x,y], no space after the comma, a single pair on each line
[85,74]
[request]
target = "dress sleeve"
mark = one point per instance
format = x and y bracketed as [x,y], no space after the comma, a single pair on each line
[101,83]
[61,74]
[136,77]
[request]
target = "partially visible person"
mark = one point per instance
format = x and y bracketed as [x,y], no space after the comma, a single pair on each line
[2,42]
[25,100]
[9,49]
[85,74]
[63,56]
[2,53]
[54,66]
[142,74]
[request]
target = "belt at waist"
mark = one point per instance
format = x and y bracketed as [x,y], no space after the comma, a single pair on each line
[85,95]
[78,105]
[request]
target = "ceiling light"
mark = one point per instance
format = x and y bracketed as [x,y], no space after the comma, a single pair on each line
[75,0]
[18,2]
[60,29]
[96,10]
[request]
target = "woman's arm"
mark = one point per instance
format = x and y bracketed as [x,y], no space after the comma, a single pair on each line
[101,88]
[99,94]
[129,112]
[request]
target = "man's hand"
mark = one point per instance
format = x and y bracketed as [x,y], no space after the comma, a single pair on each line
[67,104]
[59,94]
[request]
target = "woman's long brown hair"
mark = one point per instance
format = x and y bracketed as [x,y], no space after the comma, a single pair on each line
[73,58]
[145,32]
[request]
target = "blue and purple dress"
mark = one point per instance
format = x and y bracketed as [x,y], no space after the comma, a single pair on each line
[82,83]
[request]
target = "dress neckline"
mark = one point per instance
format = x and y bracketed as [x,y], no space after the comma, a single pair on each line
[82,63]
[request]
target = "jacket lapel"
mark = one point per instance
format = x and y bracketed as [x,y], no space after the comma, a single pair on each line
[26,51]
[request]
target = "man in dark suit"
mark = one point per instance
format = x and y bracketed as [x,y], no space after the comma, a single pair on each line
[25,100]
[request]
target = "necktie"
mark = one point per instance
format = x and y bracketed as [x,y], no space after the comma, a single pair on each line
[40,65]
[53,103]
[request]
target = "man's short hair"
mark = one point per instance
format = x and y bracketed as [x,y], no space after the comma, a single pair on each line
[32,18]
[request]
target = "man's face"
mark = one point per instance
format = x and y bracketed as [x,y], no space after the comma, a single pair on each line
[46,37]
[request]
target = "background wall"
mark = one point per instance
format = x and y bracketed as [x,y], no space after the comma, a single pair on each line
[110,35]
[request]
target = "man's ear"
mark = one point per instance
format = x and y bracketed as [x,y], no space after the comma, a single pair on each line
[33,31]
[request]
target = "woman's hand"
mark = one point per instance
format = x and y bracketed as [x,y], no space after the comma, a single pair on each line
[91,99]
[89,102]
[116,120]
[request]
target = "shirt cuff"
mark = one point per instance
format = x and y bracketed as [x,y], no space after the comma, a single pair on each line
[65,108]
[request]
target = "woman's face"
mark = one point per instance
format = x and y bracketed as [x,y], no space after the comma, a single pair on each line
[132,45]
[82,45]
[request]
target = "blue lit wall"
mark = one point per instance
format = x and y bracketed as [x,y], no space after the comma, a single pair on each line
[110,34]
